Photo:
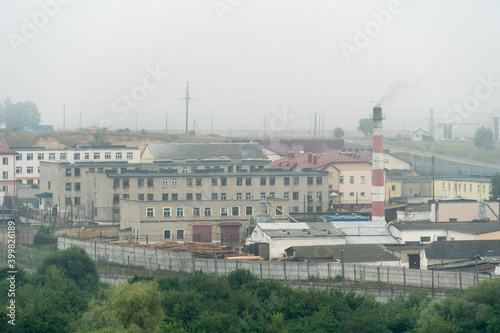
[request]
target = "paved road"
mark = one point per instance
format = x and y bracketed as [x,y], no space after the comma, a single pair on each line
[429,154]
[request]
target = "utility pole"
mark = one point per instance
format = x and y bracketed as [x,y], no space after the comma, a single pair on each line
[212,123]
[315,122]
[187,107]
[64,117]
[80,127]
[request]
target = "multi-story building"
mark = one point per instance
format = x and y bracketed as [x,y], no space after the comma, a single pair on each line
[93,190]
[7,168]
[29,158]
[475,188]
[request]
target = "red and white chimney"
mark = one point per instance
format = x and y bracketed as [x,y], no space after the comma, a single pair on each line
[378,186]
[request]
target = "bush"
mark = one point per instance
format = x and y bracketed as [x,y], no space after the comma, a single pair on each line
[44,236]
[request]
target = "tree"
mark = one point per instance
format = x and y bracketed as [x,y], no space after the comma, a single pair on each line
[338,132]
[44,236]
[18,114]
[484,138]
[495,187]
[99,139]
[366,127]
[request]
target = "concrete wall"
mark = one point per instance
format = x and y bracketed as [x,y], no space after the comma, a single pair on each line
[464,211]
[89,231]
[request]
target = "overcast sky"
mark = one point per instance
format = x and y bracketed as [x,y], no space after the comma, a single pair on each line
[244,60]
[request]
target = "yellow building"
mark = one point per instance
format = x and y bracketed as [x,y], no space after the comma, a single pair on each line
[392,189]
[467,188]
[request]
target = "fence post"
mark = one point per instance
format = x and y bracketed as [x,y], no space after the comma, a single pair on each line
[329,274]
[460,278]
[404,281]
[128,264]
[170,266]
[95,251]
[378,276]
[134,254]
[432,283]
[150,268]
[284,270]
[107,263]
[260,269]
[354,273]
[215,267]
[194,266]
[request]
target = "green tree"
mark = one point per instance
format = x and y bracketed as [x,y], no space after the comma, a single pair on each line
[365,126]
[44,236]
[99,138]
[495,187]
[76,264]
[483,138]
[338,133]
[18,114]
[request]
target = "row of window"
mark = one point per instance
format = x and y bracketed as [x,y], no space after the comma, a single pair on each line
[29,170]
[167,233]
[351,179]
[465,188]
[214,196]
[207,211]
[76,156]
[353,194]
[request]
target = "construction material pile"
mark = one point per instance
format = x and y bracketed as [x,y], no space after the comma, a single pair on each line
[198,249]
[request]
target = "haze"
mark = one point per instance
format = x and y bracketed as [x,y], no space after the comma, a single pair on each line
[248,59]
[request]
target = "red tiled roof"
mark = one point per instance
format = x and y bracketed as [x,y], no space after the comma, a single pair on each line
[4,148]
[322,160]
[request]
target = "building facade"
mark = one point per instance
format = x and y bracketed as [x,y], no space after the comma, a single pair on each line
[7,169]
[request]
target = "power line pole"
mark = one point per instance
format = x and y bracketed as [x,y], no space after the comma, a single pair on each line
[212,123]
[187,107]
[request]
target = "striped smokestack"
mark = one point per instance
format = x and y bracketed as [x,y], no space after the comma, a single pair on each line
[378,186]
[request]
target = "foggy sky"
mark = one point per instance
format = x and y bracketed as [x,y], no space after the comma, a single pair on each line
[248,59]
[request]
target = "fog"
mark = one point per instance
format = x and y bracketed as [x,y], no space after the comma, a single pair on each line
[126,63]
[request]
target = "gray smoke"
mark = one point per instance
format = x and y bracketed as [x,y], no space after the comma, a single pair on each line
[394,90]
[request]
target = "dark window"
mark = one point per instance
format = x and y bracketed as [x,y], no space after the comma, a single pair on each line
[174,196]
[164,197]
[198,181]
[125,183]
[77,200]
[248,181]
[214,181]
[140,197]
[223,181]
[150,196]
[319,181]
[425,239]
[272,181]
[239,181]
[116,198]
[286,180]
[140,182]
[77,186]
[441,238]
[77,172]
[189,196]
[310,180]
[263,180]
[68,186]
[198,196]
[68,172]
[214,196]
[295,196]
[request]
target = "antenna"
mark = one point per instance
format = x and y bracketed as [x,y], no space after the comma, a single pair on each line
[187,107]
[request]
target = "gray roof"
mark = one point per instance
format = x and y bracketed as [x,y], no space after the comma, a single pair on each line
[183,151]
[352,252]
[371,240]
[464,227]
[462,249]
[300,230]
[365,232]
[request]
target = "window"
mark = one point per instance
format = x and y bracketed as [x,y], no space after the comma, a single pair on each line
[198,196]
[263,180]
[97,156]
[272,181]
[150,212]
[295,195]
[174,197]
[5,175]
[262,195]
[425,239]
[189,181]
[295,180]
[150,182]
[214,181]
[441,238]
[279,210]
[130,156]
[393,187]
[239,181]
[19,157]
[126,196]
[362,194]
[238,196]
[351,179]
[30,169]
[52,156]
[180,211]
[470,188]
[189,196]
[223,211]
[126,183]
[5,160]
[286,195]
[38,170]
[174,182]
[150,196]
[484,188]
[235,211]
[286,181]
[248,181]
[19,170]
[271,194]
[164,182]
[68,186]
[319,181]
[196,211]
[87,156]
[341,179]
[180,234]
[107,155]
[140,182]
[310,209]
[118,156]
[140,196]
[76,156]
[248,196]
[116,183]
[167,212]
[198,181]
[319,196]
[184,169]
[223,196]
[166,234]
[77,172]
[295,209]
[351,194]
[223,181]
[309,196]
[310,180]
[208,211]
[318,209]
[76,200]
[164,196]
[362,179]
[214,196]
[68,172]
[465,188]
[29,157]
[248,211]
[77,186]
[447,131]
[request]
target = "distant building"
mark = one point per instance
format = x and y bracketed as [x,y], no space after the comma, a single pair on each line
[419,133]
[282,148]
[7,168]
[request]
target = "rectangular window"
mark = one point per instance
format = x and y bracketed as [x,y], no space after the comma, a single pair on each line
[140,196]
[214,181]
[271,194]
[126,196]
[223,211]
[295,180]
[52,156]
[167,211]
[97,156]
[19,157]
[286,181]
[362,179]
[174,182]
[68,186]
[174,197]
[279,210]
[107,155]
[362,194]
[68,172]
[189,196]
[248,211]
[30,169]
[198,196]
[184,169]
[5,160]
[272,181]
[180,211]
[196,211]
[164,182]
[235,211]
[126,183]
[238,196]
[393,187]
[19,170]
[76,200]
[223,196]
[319,196]
[214,196]
[150,196]
[248,181]
[87,156]
[319,181]
[198,181]
[130,156]
[262,195]
[263,180]
[310,180]
[425,239]
[441,238]
[164,196]
[118,156]
[309,196]
[150,182]
[140,182]
[295,195]
[150,212]
[29,157]
[180,233]
[76,156]
[248,196]
[77,186]
[341,179]
[189,181]
[295,209]
[208,211]
[77,172]
[40,156]
[239,181]
[351,194]
[223,181]
[351,179]
[166,234]
[286,195]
